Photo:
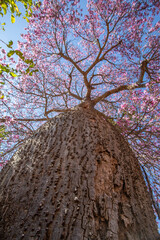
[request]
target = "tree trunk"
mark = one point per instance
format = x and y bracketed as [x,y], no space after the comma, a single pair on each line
[75,179]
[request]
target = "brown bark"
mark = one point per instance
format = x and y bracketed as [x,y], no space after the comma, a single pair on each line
[75,179]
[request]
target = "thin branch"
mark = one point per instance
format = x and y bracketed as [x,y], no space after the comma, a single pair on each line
[68,58]
[82,59]
[12,149]
[156,207]
[98,59]
[3,120]
[69,88]
[116,90]
[143,70]
[57,110]
[112,47]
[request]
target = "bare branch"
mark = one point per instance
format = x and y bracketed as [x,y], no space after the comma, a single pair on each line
[156,207]
[110,49]
[57,110]
[143,70]
[11,149]
[100,51]
[69,88]
[116,90]
[82,59]
[71,61]
[3,120]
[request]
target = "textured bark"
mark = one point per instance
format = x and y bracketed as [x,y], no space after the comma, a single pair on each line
[75,179]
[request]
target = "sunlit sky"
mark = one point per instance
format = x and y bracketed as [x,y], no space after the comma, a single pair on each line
[12,31]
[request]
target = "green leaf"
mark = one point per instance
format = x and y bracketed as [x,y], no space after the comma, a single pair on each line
[5,11]
[3,132]
[20,54]
[27,70]
[29,61]
[2,96]
[2,83]
[12,18]
[31,73]
[12,8]
[26,19]
[10,53]
[32,65]
[3,69]
[10,44]
[4,7]
[13,74]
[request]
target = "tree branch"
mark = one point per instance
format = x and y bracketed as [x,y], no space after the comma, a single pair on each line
[69,88]
[143,70]
[156,207]
[100,51]
[116,90]
[57,110]
[3,120]
[71,61]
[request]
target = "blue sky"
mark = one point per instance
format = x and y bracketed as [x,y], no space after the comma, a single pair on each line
[12,31]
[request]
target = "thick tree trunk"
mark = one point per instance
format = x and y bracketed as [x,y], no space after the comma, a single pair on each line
[75,179]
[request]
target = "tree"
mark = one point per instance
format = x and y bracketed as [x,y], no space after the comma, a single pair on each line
[99,67]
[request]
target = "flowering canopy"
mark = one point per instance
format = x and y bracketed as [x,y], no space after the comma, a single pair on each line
[103,52]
